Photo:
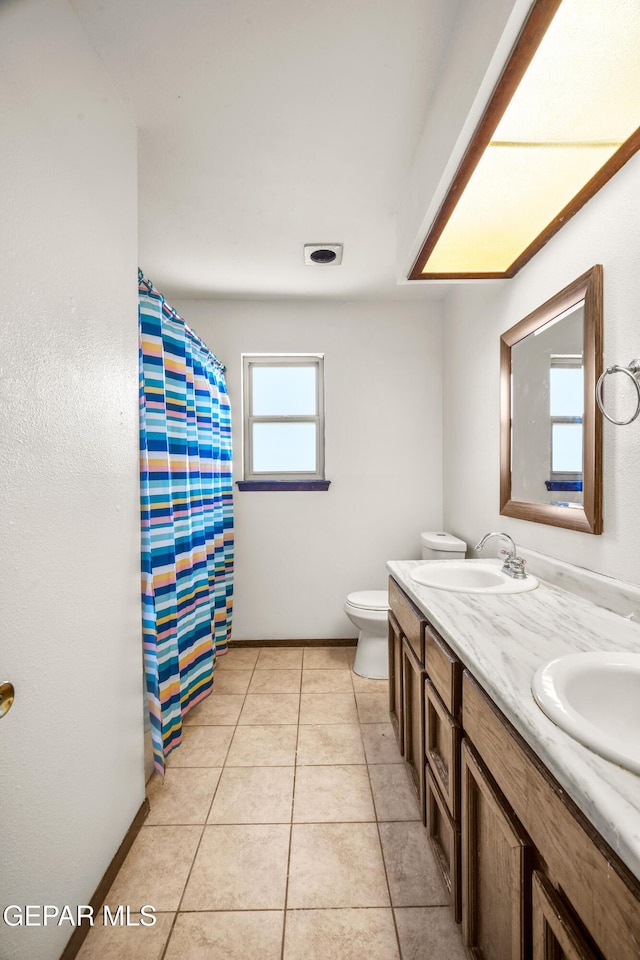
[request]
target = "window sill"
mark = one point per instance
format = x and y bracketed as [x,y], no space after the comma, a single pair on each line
[261,485]
[571,485]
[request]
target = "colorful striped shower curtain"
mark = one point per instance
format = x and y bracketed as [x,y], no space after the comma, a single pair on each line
[187,516]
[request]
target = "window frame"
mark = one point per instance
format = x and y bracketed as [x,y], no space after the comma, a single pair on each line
[249,362]
[567,363]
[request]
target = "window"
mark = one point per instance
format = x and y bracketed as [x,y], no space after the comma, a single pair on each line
[283,421]
[566,407]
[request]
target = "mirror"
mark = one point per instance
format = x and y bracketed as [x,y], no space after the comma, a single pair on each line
[550,431]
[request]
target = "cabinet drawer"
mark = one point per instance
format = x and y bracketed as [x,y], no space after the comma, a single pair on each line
[555,933]
[445,840]
[442,748]
[412,622]
[444,669]
[601,889]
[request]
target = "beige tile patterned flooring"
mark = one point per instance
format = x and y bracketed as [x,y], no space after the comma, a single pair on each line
[285,828]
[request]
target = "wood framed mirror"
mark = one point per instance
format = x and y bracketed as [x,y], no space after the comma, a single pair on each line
[550,427]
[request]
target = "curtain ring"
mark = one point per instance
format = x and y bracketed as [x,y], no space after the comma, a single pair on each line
[632,371]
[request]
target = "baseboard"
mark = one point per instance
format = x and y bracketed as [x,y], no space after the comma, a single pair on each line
[294,643]
[77,937]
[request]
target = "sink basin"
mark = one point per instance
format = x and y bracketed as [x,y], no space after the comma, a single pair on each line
[470,576]
[595,698]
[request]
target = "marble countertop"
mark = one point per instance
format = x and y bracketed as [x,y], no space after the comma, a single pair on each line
[503,640]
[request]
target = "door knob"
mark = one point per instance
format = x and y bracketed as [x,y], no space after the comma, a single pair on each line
[7,696]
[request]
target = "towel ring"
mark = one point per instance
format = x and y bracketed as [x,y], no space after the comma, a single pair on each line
[632,371]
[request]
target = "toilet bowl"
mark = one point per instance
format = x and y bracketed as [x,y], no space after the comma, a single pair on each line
[368,609]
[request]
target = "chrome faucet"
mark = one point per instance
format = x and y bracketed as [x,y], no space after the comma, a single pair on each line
[513,565]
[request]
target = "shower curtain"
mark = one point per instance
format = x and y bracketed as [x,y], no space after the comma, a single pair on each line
[187,516]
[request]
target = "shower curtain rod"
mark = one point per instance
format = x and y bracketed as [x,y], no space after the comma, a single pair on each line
[174,313]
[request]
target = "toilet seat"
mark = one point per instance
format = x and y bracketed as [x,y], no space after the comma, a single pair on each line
[369,600]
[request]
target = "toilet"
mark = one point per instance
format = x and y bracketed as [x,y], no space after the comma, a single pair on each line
[442,546]
[368,609]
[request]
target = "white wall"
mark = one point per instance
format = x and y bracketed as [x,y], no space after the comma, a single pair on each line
[605,231]
[72,746]
[298,554]
[482,37]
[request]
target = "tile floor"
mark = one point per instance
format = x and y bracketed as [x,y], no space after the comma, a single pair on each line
[285,828]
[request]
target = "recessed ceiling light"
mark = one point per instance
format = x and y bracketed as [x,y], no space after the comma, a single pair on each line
[563,118]
[323,253]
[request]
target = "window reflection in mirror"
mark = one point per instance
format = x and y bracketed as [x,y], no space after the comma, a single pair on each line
[566,406]
[546,412]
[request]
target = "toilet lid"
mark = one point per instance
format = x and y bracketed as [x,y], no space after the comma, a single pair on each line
[369,599]
[443,542]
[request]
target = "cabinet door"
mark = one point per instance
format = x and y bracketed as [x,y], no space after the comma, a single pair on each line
[445,841]
[442,746]
[555,933]
[396,706]
[413,682]
[496,869]
[600,888]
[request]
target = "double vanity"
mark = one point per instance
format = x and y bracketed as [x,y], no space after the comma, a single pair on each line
[537,835]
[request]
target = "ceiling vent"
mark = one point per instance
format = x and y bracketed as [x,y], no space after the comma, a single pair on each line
[323,253]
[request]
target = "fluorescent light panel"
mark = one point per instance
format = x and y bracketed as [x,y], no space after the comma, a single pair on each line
[577,103]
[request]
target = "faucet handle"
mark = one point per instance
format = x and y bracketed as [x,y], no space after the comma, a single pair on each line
[516,568]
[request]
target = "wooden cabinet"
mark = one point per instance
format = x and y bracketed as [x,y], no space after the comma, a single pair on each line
[409,635]
[530,876]
[396,696]
[556,935]
[413,685]
[496,869]
[601,890]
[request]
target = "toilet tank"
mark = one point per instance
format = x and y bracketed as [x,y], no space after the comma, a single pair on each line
[441,546]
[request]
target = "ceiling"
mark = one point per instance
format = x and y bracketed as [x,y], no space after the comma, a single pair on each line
[265,124]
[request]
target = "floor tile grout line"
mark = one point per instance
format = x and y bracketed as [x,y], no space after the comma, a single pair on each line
[275,823]
[244,700]
[295,765]
[202,826]
[166,943]
[255,667]
[175,916]
[308,723]
[199,844]
[403,906]
[244,696]
[384,862]
[293,800]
